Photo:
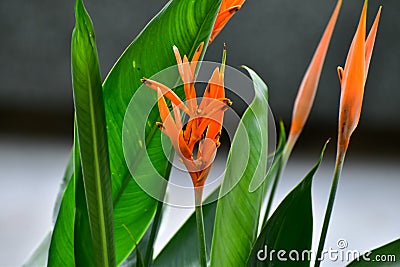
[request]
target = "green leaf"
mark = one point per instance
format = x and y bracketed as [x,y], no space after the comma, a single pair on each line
[83,242]
[68,174]
[274,172]
[95,187]
[238,212]
[136,256]
[61,250]
[289,229]
[183,248]
[182,23]
[39,256]
[387,255]
[278,153]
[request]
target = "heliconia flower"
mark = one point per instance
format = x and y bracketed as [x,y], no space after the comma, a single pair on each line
[353,78]
[308,88]
[204,126]
[227,9]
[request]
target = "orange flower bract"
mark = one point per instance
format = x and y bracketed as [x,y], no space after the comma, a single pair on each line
[204,126]
[352,79]
[308,88]
[227,9]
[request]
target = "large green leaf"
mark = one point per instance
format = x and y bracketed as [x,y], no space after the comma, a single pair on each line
[238,212]
[387,255]
[289,229]
[183,248]
[92,188]
[94,185]
[182,23]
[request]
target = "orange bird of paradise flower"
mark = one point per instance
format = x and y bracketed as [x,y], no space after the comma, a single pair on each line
[352,79]
[227,9]
[203,128]
[308,87]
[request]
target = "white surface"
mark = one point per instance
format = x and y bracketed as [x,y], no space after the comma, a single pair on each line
[365,214]
[31,172]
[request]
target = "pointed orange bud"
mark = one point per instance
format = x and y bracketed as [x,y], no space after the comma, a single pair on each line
[353,80]
[226,11]
[369,45]
[306,94]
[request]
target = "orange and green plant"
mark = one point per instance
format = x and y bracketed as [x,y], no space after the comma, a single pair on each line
[105,217]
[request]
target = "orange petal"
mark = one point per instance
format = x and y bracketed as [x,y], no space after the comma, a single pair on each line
[162,106]
[178,60]
[208,151]
[215,127]
[170,128]
[167,92]
[188,84]
[210,91]
[352,85]
[196,57]
[306,94]
[187,71]
[226,11]
[214,90]
[369,45]
[177,116]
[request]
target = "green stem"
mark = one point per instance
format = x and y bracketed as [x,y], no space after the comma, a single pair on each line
[148,260]
[329,208]
[272,194]
[198,192]
[154,230]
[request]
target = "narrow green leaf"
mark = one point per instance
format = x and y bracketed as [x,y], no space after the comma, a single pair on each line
[39,256]
[61,252]
[93,145]
[238,212]
[289,229]
[83,242]
[387,255]
[183,248]
[136,256]
[182,23]
[275,171]
[68,174]
[278,153]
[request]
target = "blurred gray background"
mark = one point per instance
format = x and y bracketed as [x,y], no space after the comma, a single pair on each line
[274,37]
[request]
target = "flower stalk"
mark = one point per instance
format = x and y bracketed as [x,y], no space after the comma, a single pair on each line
[352,80]
[198,193]
[202,130]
